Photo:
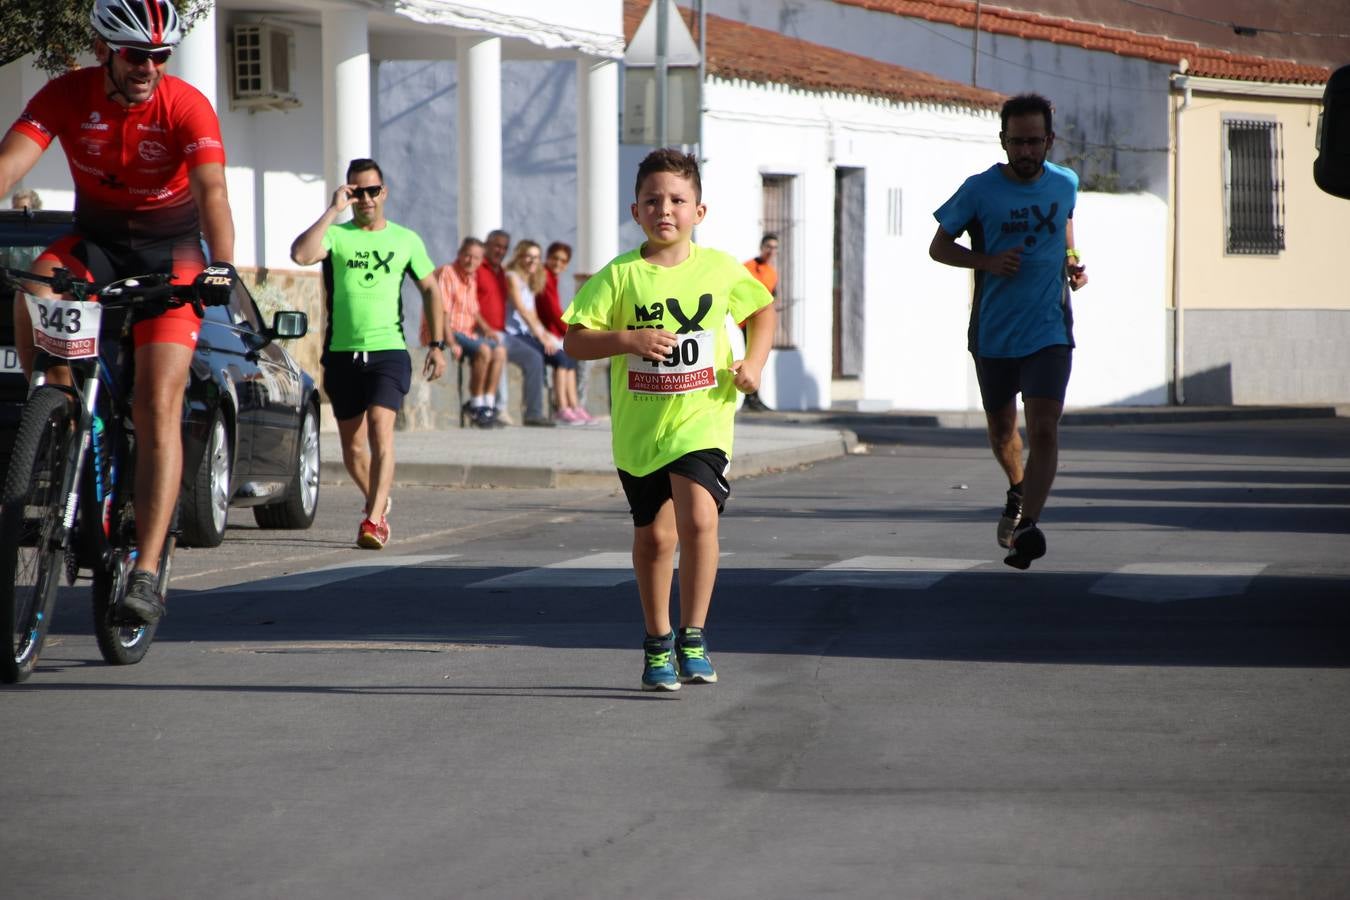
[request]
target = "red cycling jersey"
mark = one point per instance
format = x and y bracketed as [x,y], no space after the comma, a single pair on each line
[130,164]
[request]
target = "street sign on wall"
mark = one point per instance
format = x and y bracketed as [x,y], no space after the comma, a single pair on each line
[651,61]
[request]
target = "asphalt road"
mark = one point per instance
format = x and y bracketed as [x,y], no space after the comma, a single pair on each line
[1158,708]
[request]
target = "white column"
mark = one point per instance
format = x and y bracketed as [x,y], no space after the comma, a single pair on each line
[597,163]
[479,62]
[346,92]
[195,60]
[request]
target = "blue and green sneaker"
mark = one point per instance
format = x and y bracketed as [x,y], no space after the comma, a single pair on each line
[691,655]
[658,674]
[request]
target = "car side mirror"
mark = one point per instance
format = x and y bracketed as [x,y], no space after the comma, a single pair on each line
[288,324]
[1331,170]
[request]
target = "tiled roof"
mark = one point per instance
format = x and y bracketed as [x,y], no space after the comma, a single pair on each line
[1203,61]
[739,51]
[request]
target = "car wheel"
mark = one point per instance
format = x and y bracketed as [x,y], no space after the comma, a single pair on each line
[205,506]
[297,510]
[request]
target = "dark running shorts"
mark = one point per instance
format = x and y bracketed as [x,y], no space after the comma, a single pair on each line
[354,382]
[648,493]
[88,259]
[1044,375]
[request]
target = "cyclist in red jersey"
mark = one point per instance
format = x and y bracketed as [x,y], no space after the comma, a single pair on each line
[148,162]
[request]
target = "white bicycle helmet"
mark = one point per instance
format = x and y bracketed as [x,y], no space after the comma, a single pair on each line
[143,23]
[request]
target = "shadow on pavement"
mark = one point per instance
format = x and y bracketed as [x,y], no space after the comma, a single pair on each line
[981,614]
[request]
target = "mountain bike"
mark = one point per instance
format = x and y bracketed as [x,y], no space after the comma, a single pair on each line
[66,502]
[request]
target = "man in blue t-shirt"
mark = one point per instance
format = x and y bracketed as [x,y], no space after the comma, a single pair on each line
[1019,216]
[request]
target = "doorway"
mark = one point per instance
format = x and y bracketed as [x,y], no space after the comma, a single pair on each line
[849,268]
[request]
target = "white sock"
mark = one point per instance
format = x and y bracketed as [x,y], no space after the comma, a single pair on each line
[479,401]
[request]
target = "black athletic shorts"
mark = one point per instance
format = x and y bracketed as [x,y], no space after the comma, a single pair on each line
[648,493]
[1044,375]
[354,382]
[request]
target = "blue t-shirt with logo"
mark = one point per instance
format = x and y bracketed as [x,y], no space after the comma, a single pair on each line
[1018,315]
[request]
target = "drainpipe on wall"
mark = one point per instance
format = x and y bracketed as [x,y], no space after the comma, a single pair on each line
[1178,320]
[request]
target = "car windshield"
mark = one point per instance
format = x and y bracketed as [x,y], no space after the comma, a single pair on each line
[20,256]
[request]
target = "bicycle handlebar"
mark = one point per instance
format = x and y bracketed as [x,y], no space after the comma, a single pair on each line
[135,290]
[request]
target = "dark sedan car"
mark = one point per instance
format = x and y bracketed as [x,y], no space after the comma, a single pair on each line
[251,416]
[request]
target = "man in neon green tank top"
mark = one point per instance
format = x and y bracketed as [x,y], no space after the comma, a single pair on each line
[366,367]
[660,311]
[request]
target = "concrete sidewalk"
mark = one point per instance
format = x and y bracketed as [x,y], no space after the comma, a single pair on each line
[572,456]
[565,456]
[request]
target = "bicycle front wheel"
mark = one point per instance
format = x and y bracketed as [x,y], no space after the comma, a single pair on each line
[31,560]
[121,644]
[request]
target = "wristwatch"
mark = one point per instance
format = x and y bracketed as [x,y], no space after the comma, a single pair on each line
[437,345]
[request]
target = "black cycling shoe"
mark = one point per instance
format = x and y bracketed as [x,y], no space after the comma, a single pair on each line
[1028,543]
[142,604]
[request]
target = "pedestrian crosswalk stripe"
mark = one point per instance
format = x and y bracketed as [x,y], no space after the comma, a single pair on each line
[894,572]
[596,570]
[1165,582]
[357,568]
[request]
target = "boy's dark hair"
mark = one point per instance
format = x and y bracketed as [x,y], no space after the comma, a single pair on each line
[768,236]
[469,242]
[668,159]
[1022,105]
[357,166]
[556,246]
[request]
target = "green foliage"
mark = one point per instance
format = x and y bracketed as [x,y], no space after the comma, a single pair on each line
[58,31]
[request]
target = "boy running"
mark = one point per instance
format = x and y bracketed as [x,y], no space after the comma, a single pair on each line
[660,312]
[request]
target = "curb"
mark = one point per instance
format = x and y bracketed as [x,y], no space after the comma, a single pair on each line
[1134,415]
[451,474]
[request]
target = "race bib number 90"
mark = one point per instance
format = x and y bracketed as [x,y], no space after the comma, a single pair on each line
[687,368]
[67,329]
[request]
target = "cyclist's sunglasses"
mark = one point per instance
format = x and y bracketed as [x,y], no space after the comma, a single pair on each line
[368,193]
[137,57]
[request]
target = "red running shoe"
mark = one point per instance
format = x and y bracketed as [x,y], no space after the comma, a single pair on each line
[373,535]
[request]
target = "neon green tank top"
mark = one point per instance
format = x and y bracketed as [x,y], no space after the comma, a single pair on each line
[363,276]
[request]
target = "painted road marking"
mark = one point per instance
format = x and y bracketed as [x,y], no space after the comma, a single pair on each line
[907,573]
[596,570]
[304,581]
[1163,582]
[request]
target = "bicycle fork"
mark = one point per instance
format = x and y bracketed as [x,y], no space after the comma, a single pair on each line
[74,467]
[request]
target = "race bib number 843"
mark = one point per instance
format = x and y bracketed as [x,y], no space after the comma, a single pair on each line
[690,366]
[67,329]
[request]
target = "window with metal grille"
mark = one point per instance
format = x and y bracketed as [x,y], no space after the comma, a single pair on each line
[779,220]
[1253,186]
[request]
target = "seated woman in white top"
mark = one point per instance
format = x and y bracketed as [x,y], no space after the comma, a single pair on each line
[525,277]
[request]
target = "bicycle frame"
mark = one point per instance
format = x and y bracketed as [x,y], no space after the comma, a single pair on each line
[87,377]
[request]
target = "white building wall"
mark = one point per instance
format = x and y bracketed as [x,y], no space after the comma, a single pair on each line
[916,310]
[416,141]
[19,81]
[1120,320]
[1111,110]
[275,158]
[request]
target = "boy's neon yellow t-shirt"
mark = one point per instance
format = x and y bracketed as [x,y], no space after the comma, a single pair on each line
[661,411]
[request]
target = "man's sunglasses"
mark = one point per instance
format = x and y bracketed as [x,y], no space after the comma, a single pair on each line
[138,57]
[367,193]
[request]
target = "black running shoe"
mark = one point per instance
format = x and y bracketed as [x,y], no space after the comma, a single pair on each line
[1028,543]
[1012,514]
[142,602]
[754,404]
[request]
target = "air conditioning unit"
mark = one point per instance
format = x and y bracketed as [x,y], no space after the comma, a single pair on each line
[262,67]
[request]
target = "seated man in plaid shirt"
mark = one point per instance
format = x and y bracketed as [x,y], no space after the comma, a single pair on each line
[469,333]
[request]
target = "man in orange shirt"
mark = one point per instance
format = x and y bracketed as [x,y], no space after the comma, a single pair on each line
[762,268]
[469,333]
